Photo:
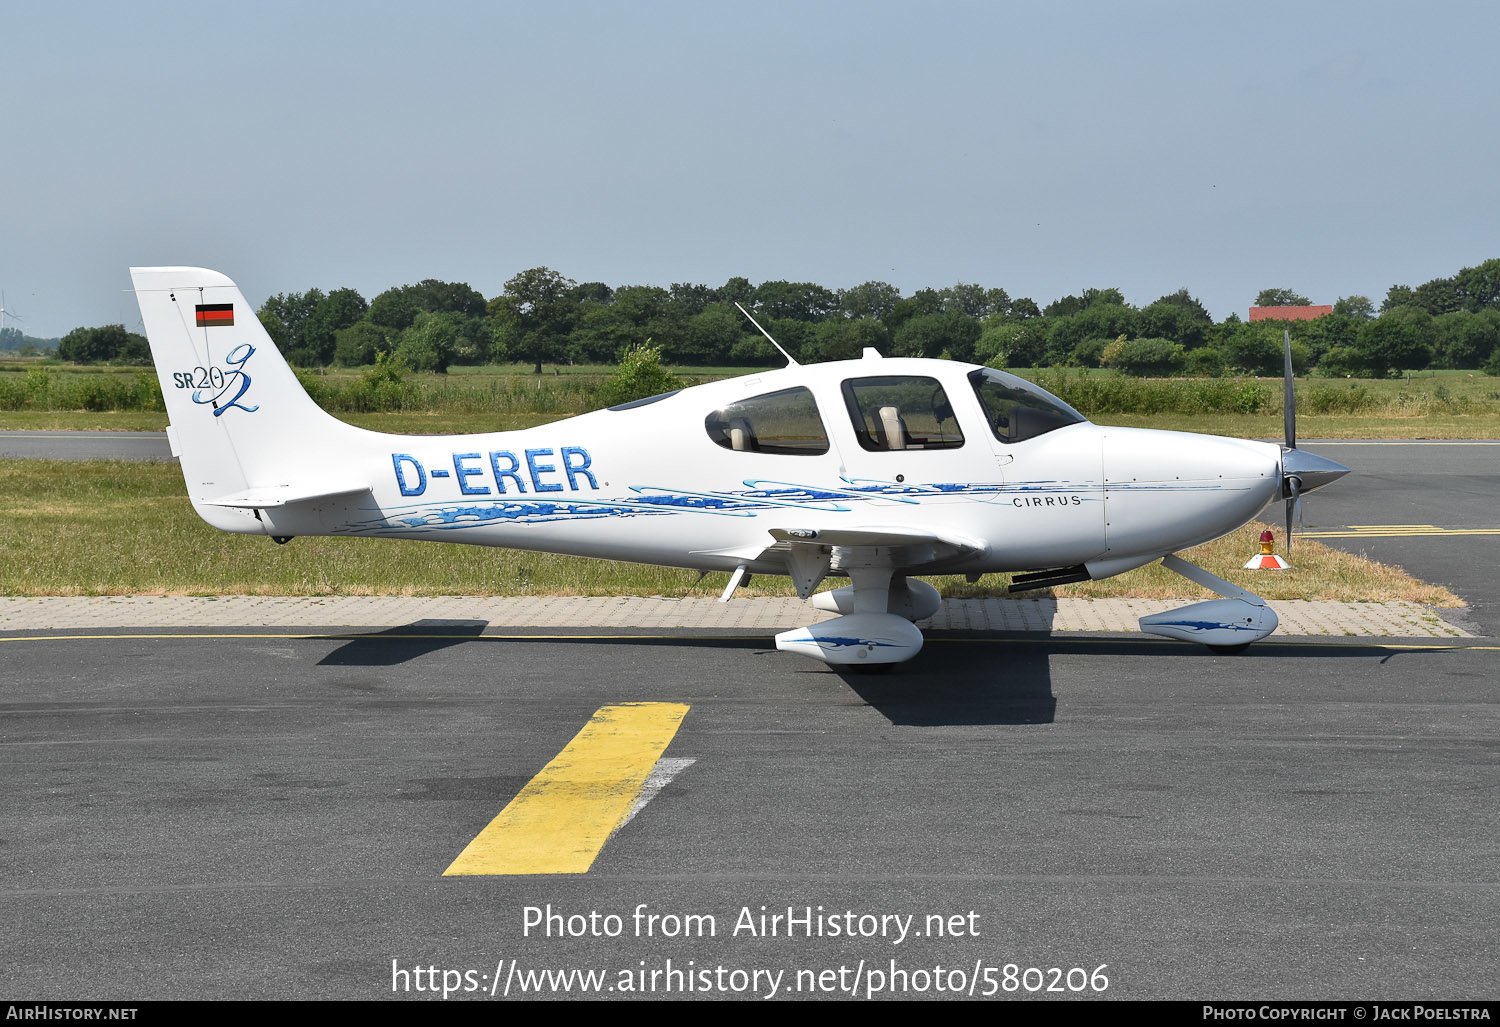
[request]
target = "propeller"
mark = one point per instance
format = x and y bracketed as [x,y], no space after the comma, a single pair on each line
[1290,482]
[1300,471]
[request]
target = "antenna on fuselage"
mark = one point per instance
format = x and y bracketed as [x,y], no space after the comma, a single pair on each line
[790,360]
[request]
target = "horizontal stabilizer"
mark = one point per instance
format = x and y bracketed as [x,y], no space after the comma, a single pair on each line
[271,496]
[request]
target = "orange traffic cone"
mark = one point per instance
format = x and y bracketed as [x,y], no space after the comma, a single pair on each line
[1266,559]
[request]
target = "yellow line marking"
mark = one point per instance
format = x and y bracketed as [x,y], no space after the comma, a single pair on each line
[564,815]
[1398,442]
[1397,531]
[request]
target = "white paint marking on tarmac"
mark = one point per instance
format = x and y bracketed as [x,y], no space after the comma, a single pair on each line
[661,775]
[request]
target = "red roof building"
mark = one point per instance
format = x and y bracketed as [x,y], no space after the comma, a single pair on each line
[1289,313]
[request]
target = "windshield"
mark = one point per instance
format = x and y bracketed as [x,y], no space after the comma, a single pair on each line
[1016,410]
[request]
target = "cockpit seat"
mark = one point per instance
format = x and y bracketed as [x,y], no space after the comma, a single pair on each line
[893,428]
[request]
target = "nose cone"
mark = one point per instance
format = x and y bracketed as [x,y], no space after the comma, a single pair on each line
[1311,470]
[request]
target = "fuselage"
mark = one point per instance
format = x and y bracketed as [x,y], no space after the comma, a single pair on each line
[697,478]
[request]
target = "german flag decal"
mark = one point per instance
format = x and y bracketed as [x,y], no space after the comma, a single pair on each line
[216,314]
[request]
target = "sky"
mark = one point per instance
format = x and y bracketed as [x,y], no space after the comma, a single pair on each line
[1332,148]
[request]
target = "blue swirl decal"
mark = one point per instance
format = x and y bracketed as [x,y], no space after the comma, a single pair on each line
[758,497]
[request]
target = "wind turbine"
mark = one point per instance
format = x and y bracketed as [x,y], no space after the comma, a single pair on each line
[13,315]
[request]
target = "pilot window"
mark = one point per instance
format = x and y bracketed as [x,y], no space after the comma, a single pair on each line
[1016,410]
[901,412]
[784,422]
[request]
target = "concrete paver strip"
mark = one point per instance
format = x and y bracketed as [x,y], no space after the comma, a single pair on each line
[1298,617]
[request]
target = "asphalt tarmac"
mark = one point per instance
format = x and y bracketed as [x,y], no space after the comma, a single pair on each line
[84,445]
[212,817]
[1431,507]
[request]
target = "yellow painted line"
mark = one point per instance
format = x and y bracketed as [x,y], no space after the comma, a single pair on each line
[1398,531]
[565,814]
[1398,442]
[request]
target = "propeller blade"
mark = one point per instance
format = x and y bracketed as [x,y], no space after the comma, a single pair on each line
[1289,401]
[1293,507]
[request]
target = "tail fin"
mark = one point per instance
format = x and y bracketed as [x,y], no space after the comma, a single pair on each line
[241,423]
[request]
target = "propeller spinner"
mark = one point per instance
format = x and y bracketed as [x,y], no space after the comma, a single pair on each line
[1300,472]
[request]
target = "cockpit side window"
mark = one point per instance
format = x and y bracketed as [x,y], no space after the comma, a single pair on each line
[900,412]
[784,422]
[1016,410]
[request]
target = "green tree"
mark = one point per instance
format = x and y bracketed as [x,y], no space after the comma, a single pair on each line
[1465,339]
[429,343]
[398,308]
[1012,342]
[845,338]
[1184,299]
[1255,347]
[592,292]
[357,345]
[797,301]
[1281,298]
[975,300]
[1397,340]
[1324,333]
[1180,323]
[641,375]
[872,299]
[710,336]
[1024,308]
[736,290]
[1359,308]
[334,312]
[291,311]
[931,335]
[395,309]
[688,300]
[1141,358]
[536,313]
[1439,296]
[918,304]
[600,335]
[1102,322]
[1398,296]
[105,344]
[1480,286]
[1070,304]
[439,297]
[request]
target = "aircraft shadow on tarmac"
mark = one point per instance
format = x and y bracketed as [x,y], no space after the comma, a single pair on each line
[960,678]
[948,685]
[395,645]
[988,681]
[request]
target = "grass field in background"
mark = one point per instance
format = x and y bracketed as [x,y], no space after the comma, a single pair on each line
[1435,404]
[127,528]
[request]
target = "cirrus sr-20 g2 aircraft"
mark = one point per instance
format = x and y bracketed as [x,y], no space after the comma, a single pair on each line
[875,470]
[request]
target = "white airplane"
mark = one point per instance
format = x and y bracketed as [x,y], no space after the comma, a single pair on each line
[874,470]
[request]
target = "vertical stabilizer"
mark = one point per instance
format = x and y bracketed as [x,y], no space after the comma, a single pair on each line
[240,420]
